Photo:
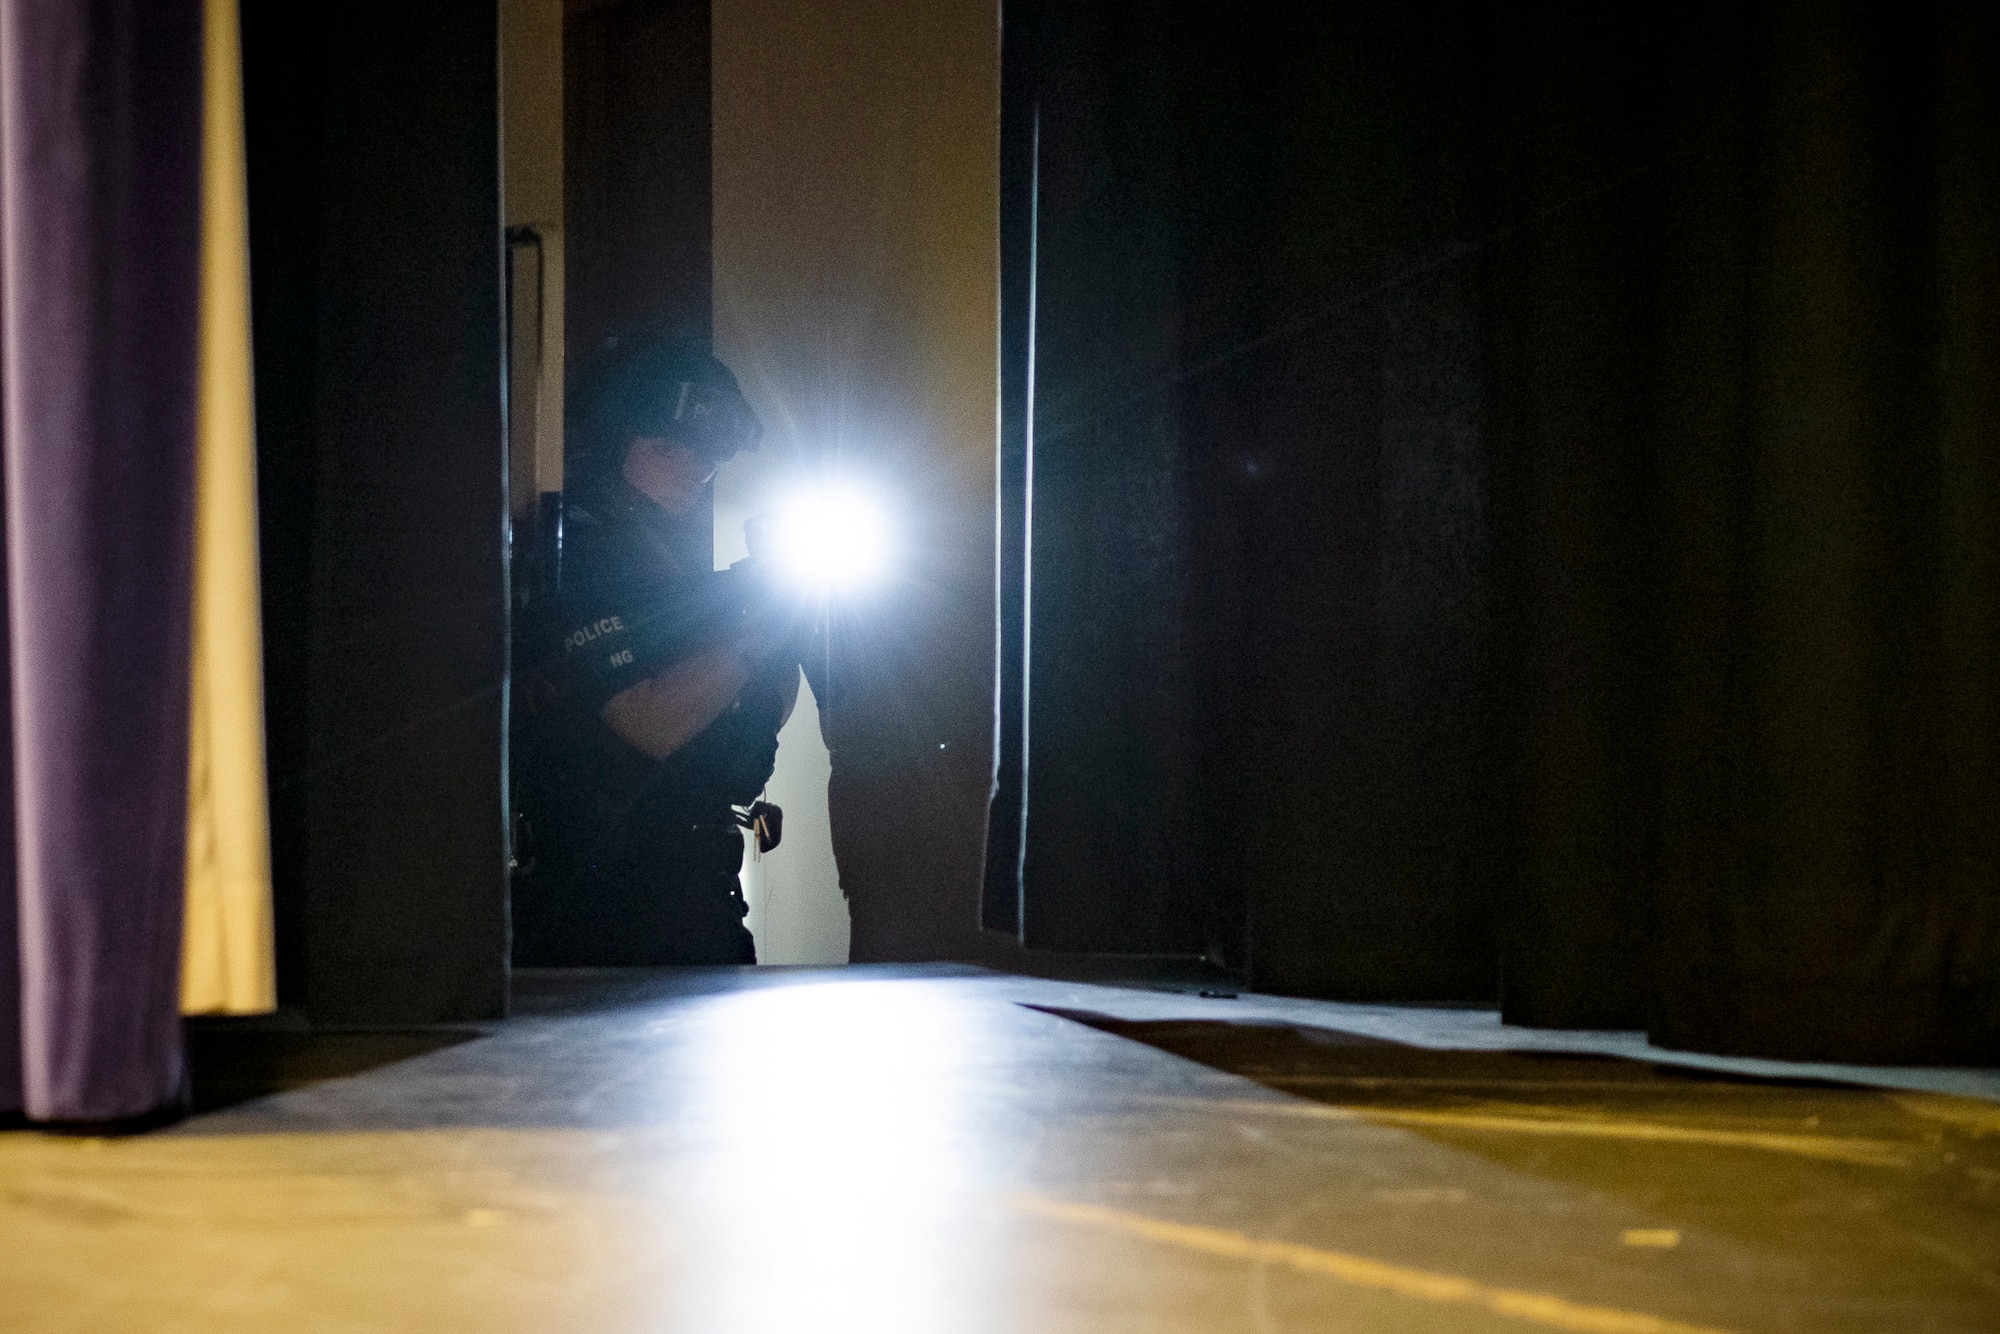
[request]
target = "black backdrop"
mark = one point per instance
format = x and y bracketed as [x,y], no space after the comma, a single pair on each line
[375,271]
[1505,501]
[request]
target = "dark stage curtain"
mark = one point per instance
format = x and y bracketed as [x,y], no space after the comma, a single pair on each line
[1248,595]
[1745,333]
[1518,476]
[99,156]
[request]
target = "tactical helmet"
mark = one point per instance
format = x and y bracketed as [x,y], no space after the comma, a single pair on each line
[672,389]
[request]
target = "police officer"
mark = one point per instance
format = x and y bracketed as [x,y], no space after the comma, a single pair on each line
[654,699]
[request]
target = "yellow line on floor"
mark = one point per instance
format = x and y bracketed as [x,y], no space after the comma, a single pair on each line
[1974,1116]
[1535,1308]
[1864,1152]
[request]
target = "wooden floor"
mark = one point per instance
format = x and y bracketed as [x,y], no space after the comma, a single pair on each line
[932,1150]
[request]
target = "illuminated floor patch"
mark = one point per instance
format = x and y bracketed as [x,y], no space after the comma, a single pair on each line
[1659,1238]
[1534,1308]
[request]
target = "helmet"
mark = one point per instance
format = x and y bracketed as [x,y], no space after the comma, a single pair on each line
[673,389]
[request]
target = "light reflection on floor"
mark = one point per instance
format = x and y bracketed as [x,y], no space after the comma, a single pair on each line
[843,1158]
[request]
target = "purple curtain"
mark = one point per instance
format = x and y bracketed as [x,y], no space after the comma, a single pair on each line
[100,138]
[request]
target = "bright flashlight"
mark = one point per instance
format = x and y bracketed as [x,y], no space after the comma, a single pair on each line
[830,538]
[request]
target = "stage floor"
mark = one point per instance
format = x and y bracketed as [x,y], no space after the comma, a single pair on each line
[944,1149]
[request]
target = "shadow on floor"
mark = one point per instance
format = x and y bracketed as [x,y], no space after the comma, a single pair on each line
[1804,1166]
[1351,1067]
[231,1065]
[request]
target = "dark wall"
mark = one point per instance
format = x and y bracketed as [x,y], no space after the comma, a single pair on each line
[637,178]
[375,257]
[636,174]
[1512,504]
[282,97]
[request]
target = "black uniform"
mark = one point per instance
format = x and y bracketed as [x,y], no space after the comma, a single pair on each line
[632,860]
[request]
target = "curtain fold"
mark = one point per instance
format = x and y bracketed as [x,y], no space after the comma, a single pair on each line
[227,960]
[1764,640]
[100,142]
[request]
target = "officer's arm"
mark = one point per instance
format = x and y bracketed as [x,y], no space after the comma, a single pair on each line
[790,694]
[665,711]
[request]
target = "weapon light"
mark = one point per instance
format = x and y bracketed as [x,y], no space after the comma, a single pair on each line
[830,538]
